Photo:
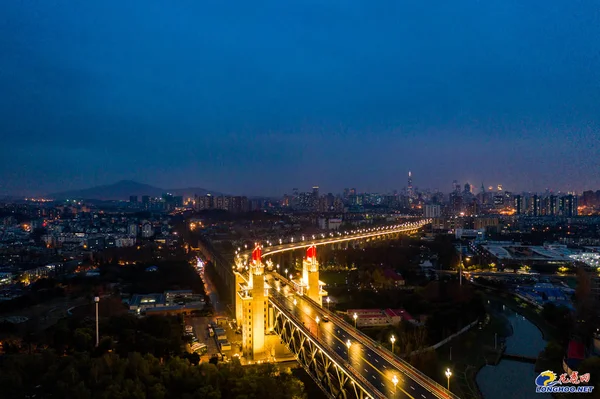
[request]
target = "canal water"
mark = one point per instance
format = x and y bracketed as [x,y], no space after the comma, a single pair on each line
[512,379]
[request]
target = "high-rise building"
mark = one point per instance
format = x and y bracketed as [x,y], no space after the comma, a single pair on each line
[133,199]
[568,205]
[536,205]
[132,230]
[467,189]
[147,230]
[409,190]
[518,201]
[432,211]
[456,187]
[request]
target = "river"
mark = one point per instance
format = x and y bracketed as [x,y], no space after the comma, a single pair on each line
[512,379]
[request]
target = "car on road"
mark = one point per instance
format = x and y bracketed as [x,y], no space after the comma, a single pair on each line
[325,318]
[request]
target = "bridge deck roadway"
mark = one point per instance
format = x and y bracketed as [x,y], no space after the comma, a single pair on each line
[404,228]
[376,365]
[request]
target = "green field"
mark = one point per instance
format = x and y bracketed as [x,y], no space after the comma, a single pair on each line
[332,278]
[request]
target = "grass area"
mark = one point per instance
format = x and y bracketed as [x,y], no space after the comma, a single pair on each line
[469,353]
[472,350]
[333,278]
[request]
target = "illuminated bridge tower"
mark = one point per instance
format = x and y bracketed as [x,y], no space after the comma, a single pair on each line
[251,304]
[310,276]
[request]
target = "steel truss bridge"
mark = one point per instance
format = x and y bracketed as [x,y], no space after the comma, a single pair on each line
[363,369]
[344,362]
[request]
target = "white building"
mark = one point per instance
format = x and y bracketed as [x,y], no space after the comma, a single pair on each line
[334,224]
[125,242]
[147,230]
[132,230]
[432,211]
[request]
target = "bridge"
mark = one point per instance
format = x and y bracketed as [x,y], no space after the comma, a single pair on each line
[344,362]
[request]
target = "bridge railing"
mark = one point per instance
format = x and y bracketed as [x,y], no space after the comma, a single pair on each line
[327,240]
[430,384]
[347,367]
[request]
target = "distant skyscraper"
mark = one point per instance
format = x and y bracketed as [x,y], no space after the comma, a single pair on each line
[467,188]
[133,199]
[409,190]
[316,191]
[456,187]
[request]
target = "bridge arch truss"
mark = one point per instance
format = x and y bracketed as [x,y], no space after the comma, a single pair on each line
[334,376]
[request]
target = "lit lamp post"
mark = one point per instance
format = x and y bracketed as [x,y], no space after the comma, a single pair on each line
[348,344]
[395,382]
[97,299]
[355,316]
[317,320]
[295,303]
[448,375]
[392,340]
[328,300]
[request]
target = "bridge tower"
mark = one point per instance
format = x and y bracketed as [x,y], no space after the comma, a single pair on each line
[310,276]
[251,304]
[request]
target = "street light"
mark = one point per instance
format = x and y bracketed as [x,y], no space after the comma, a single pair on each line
[355,316]
[448,374]
[392,340]
[317,320]
[295,302]
[348,344]
[395,382]
[97,299]
[328,300]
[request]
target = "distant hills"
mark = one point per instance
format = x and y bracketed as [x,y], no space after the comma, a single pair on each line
[123,189]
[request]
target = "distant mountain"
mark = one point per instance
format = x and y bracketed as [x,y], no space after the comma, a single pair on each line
[125,188]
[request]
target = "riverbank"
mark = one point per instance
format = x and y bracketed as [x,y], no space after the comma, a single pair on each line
[530,312]
[469,353]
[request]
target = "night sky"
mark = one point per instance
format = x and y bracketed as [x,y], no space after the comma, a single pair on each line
[260,97]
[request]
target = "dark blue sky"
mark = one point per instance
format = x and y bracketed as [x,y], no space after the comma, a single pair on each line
[260,97]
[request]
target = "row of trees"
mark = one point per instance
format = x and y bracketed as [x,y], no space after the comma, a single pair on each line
[139,376]
[136,358]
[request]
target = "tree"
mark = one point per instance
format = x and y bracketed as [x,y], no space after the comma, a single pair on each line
[554,351]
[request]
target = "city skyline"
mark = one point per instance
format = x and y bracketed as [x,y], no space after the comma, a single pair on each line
[246,99]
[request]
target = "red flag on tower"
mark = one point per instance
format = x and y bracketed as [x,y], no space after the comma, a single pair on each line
[256,254]
[311,252]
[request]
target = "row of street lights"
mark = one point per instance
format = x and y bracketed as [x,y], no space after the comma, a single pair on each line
[394,380]
[341,234]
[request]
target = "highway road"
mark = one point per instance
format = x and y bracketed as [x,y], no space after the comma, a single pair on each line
[339,237]
[373,366]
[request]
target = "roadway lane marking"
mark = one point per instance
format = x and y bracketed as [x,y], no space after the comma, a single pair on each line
[424,396]
[413,388]
[375,368]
